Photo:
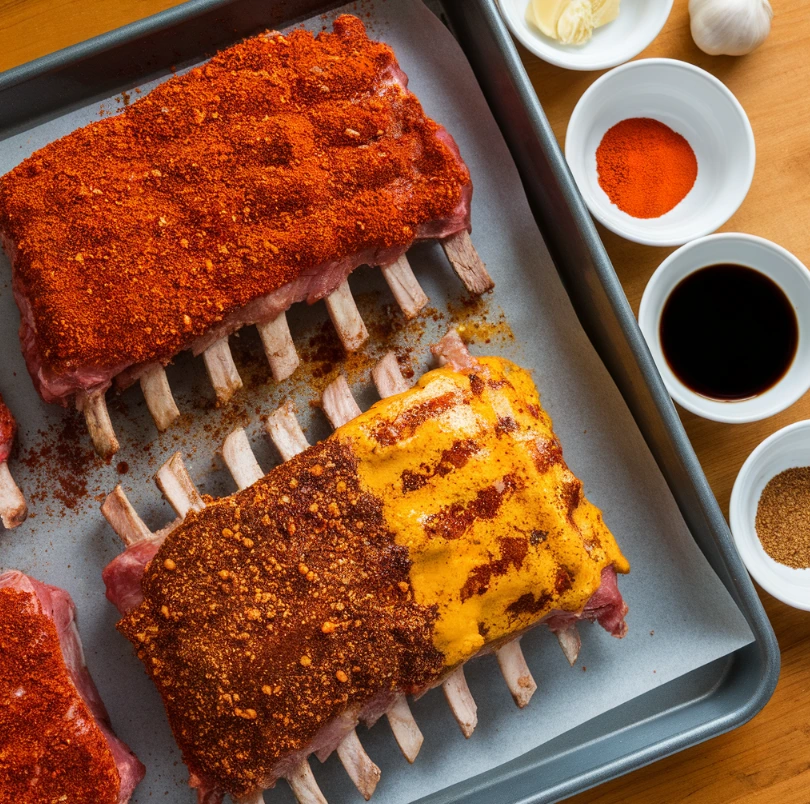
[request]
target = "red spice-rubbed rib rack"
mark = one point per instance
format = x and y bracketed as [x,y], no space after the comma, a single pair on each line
[260,179]
[56,742]
[320,595]
[13,509]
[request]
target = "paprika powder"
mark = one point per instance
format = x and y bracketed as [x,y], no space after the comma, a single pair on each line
[645,167]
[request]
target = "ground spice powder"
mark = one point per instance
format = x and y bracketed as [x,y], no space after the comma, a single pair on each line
[645,167]
[783,518]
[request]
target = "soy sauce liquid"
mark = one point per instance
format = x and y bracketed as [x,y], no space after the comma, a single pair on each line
[728,332]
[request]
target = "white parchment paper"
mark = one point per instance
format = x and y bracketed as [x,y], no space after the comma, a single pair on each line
[681,616]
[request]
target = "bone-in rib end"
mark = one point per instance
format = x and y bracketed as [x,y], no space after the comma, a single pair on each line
[158,395]
[346,317]
[516,672]
[405,287]
[304,787]
[240,460]
[13,509]
[362,771]
[467,263]
[124,519]
[285,432]
[570,642]
[407,733]
[94,407]
[177,486]
[338,402]
[461,702]
[222,370]
[279,347]
[388,379]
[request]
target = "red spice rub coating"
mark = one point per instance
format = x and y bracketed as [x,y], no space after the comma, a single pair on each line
[8,428]
[41,743]
[274,611]
[141,232]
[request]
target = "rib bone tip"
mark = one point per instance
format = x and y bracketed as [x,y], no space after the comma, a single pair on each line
[94,407]
[13,508]
[222,370]
[158,396]
[279,347]
[467,263]
[346,318]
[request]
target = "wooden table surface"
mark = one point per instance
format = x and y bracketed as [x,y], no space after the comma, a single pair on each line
[767,760]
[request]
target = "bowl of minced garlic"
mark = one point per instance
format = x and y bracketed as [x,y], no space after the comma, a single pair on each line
[586,34]
[770,514]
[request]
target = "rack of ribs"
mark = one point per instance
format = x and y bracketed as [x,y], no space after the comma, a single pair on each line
[56,742]
[13,509]
[439,525]
[259,179]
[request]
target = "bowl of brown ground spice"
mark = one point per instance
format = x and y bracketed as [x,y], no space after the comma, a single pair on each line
[770,514]
[662,151]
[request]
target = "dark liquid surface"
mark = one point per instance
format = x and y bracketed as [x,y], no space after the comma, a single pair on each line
[728,332]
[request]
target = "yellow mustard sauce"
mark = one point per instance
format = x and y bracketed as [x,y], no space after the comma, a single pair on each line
[498,531]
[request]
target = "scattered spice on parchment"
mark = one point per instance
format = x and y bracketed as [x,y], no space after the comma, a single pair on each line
[783,518]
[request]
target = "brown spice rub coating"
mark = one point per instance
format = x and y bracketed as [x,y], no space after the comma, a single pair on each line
[141,232]
[783,517]
[41,744]
[312,616]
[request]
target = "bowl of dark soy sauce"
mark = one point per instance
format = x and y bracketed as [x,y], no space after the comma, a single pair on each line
[727,319]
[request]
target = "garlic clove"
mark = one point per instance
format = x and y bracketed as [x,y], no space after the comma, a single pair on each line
[730,27]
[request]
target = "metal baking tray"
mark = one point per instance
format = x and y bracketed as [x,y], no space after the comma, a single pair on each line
[717,697]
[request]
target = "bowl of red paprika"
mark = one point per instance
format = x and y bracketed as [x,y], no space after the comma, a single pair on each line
[662,151]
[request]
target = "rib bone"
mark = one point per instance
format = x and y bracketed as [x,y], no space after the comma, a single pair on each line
[177,486]
[124,519]
[406,732]
[304,786]
[346,318]
[13,509]
[362,771]
[516,672]
[389,381]
[338,403]
[285,432]
[256,797]
[158,395]
[467,263]
[94,407]
[240,460]
[222,370]
[570,642]
[279,347]
[405,287]
[461,702]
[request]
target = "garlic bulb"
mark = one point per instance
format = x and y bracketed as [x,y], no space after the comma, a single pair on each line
[730,27]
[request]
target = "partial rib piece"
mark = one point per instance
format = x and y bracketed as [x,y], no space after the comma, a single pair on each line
[405,287]
[94,407]
[516,672]
[124,519]
[285,432]
[570,642]
[466,263]
[13,509]
[304,786]
[346,317]
[222,370]
[158,395]
[461,702]
[338,402]
[279,347]
[387,376]
[240,460]
[406,731]
[177,486]
[363,772]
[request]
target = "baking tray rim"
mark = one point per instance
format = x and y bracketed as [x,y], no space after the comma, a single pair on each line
[746,596]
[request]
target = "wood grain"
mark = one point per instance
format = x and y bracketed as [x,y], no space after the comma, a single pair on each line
[767,760]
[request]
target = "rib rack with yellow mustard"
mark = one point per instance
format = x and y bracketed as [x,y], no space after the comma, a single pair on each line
[439,525]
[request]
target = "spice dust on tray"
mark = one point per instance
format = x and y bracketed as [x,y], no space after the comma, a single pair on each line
[783,518]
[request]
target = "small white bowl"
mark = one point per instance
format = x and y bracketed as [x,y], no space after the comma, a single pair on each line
[638,23]
[785,449]
[763,256]
[695,105]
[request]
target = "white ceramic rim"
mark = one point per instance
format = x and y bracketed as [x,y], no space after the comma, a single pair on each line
[758,570]
[529,42]
[680,393]
[748,132]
